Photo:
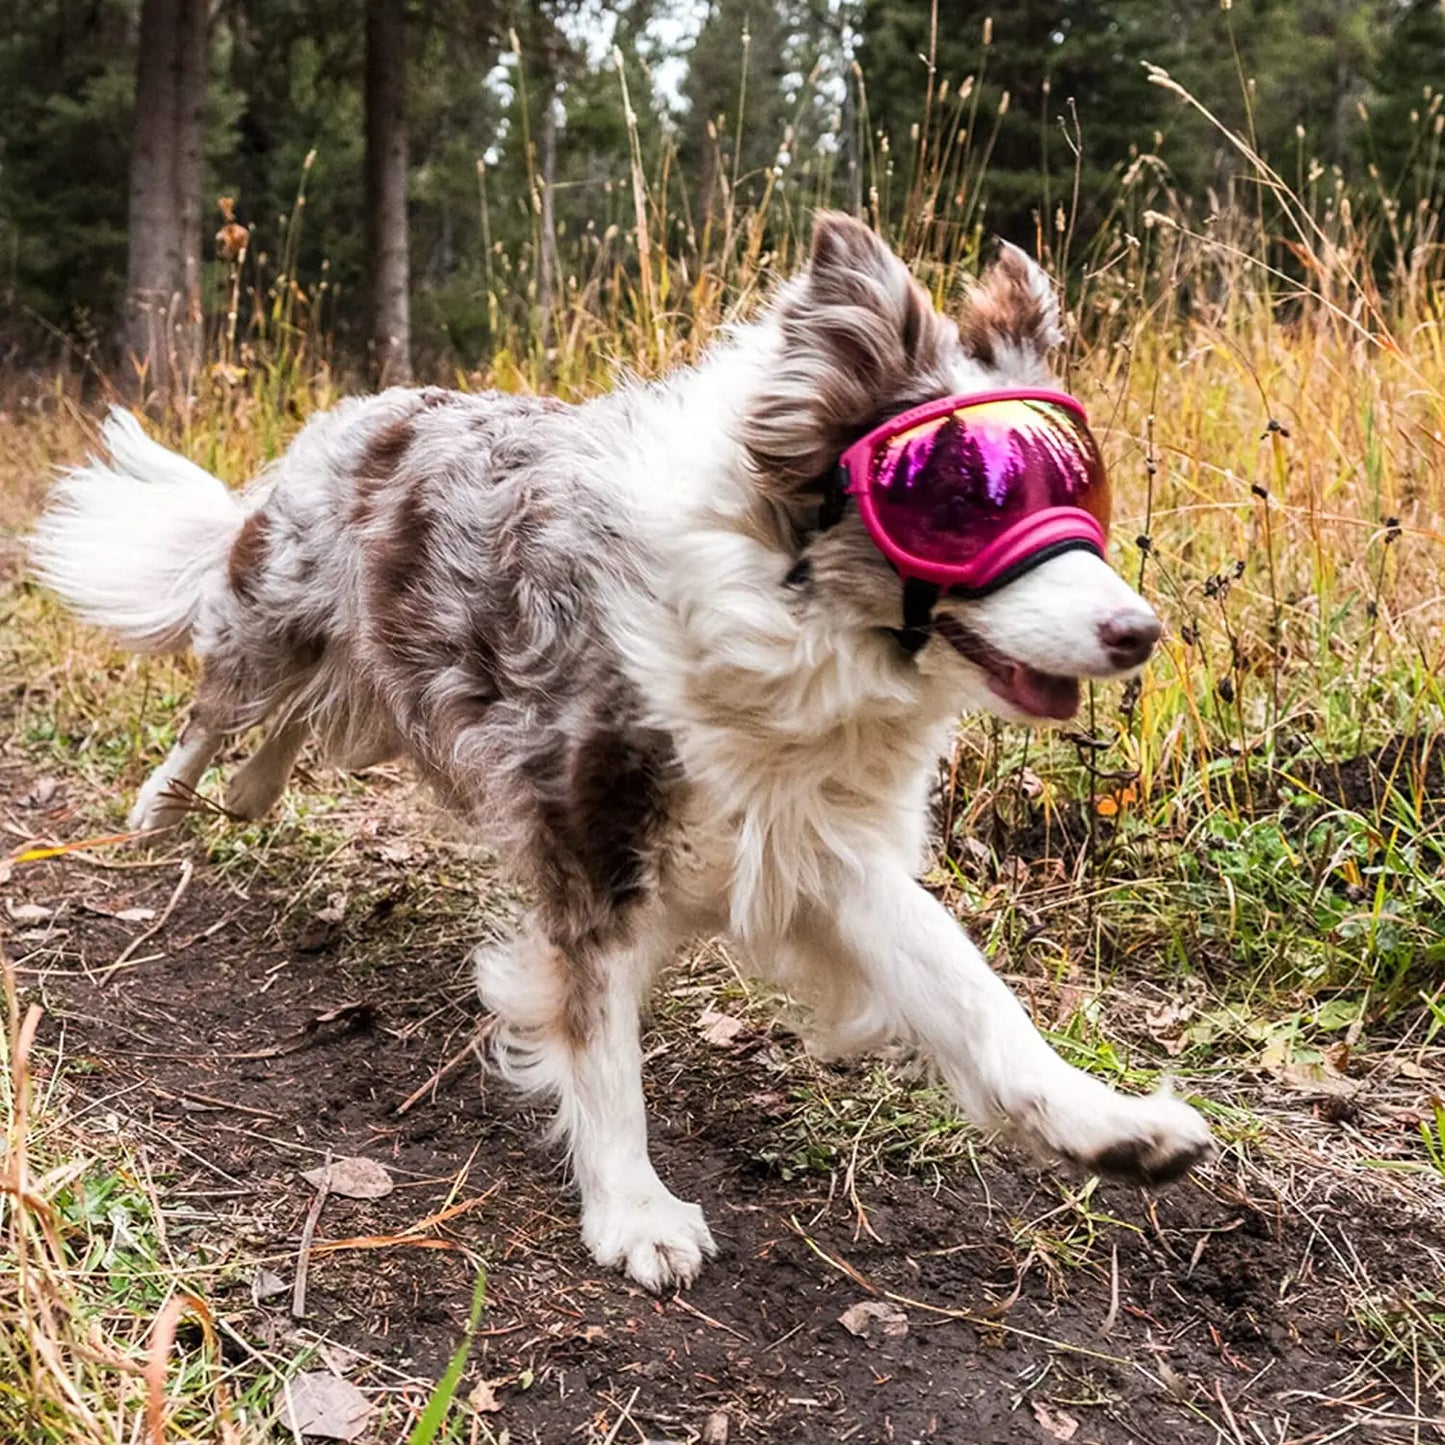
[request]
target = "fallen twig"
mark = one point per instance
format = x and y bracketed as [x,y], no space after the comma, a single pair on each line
[413,1234]
[457,1059]
[308,1233]
[184,882]
[693,1310]
[1109,1319]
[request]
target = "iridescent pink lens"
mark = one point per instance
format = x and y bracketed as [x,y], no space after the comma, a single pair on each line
[947,488]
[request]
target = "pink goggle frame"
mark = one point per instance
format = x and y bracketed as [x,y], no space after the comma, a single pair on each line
[966,492]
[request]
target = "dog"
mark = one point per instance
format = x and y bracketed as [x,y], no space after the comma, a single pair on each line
[644,648]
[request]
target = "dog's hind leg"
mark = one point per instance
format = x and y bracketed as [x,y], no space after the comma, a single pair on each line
[568,1025]
[225,703]
[261,779]
[164,798]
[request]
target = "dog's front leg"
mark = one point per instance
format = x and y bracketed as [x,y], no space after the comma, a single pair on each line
[916,957]
[568,1026]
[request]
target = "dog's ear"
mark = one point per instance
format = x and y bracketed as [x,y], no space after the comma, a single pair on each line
[859,336]
[843,244]
[1012,317]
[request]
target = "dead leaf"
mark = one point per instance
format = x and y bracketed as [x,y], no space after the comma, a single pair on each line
[318,1403]
[335,909]
[483,1398]
[1014,871]
[352,1015]
[1316,1079]
[28,912]
[353,1178]
[1056,1423]
[43,791]
[1112,804]
[874,1320]
[267,1285]
[1166,1026]
[135,915]
[719,1028]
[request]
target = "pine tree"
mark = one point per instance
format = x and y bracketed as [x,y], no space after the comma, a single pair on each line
[67,77]
[1407,113]
[1039,89]
[739,100]
[388,322]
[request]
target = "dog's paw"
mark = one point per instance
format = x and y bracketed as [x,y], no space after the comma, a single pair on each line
[156,808]
[1150,1140]
[655,1238]
[254,791]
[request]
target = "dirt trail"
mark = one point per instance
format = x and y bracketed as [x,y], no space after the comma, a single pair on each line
[220,1049]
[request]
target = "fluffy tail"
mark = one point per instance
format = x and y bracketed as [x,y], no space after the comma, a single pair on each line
[133,545]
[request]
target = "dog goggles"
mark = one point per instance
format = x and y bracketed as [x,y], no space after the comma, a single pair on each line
[966,492]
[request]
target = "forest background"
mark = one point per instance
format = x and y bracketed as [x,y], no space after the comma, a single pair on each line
[422,179]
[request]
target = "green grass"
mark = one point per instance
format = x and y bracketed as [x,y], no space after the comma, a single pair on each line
[1184,882]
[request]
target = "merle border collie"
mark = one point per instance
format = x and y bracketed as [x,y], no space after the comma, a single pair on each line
[631,645]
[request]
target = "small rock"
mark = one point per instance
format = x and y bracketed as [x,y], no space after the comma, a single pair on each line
[352,1178]
[875,1320]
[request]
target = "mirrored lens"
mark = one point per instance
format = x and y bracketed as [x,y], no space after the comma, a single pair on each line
[947,488]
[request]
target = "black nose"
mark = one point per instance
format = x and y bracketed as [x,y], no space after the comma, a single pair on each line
[1129,637]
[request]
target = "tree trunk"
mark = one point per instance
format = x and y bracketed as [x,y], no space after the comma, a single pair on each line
[547,287]
[388,303]
[161,327]
[192,49]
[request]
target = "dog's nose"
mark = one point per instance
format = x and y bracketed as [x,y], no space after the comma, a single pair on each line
[1129,637]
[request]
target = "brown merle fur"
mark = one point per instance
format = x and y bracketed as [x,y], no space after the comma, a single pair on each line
[467,639]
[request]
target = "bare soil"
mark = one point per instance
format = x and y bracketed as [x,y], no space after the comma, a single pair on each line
[249,1037]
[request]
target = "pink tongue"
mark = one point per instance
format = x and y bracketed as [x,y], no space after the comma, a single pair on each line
[1043,695]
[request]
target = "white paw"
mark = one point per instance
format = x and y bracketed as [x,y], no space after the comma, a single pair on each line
[1149,1140]
[155,807]
[655,1238]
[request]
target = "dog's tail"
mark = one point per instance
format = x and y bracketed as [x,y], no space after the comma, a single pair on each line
[134,544]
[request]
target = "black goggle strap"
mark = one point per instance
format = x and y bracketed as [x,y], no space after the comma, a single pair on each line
[919,600]
[919,597]
[835,497]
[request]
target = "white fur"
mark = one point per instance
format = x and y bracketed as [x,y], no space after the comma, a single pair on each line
[164,799]
[134,546]
[630,1220]
[804,738]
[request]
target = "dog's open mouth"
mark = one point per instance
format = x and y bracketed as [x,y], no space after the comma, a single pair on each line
[1039,694]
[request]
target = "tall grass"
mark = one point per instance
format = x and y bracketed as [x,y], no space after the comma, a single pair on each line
[1268,383]
[1262,812]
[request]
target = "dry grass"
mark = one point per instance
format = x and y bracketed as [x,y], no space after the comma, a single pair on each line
[1237,830]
